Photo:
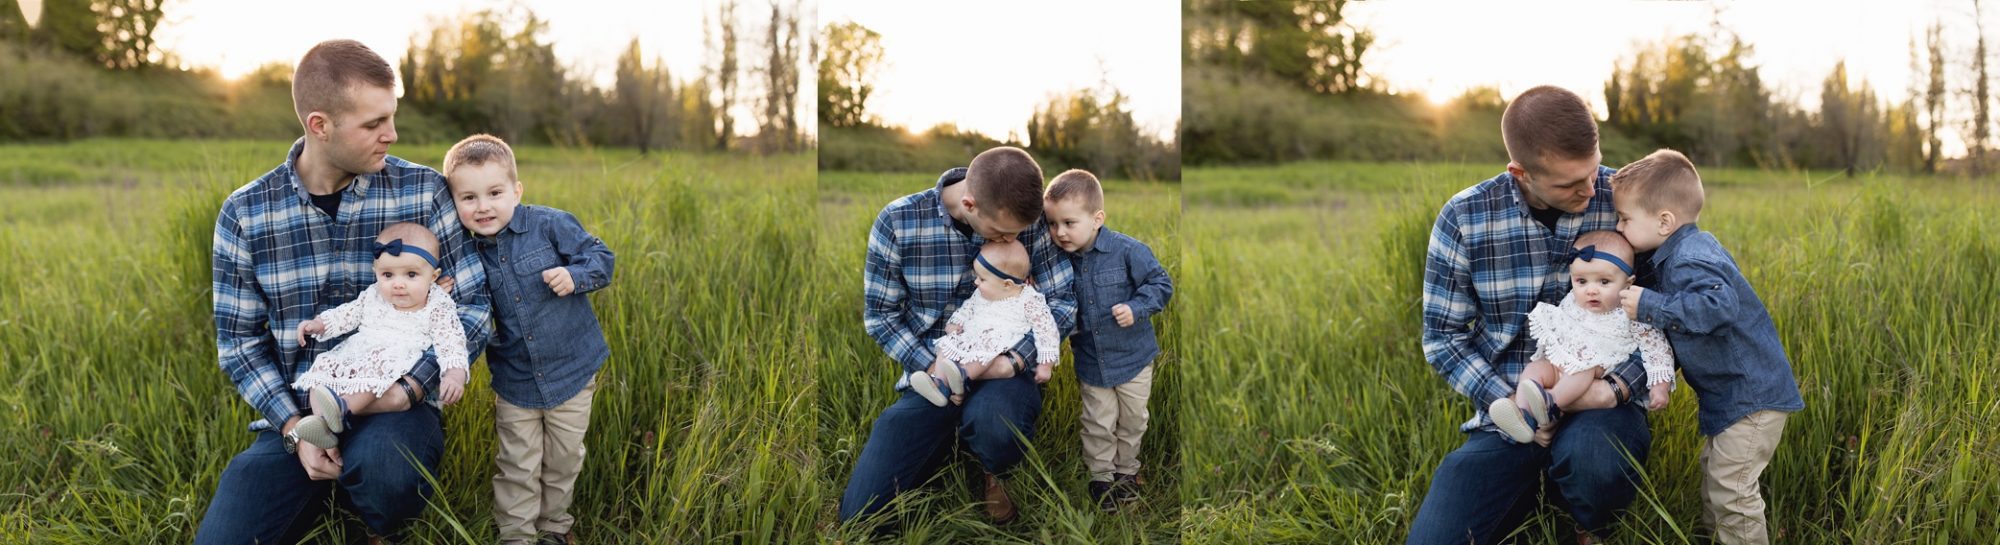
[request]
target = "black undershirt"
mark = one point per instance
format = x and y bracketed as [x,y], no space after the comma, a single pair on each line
[1546,216]
[327,203]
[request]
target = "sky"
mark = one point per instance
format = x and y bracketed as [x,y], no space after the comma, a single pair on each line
[1518,45]
[985,65]
[237,36]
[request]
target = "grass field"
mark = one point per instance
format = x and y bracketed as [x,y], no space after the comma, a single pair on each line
[856,382]
[118,421]
[1314,417]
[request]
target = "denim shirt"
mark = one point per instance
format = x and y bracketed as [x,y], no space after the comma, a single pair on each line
[1116,269]
[545,348]
[1724,338]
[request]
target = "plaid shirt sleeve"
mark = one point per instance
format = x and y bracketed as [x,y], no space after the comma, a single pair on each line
[1450,306]
[244,344]
[884,293]
[1052,277]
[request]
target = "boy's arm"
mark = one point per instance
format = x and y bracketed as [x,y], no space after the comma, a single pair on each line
[1052,277]
[1706,306]
[884,294]
[588,259]
[1449,310]
[1154,288]
[244,346]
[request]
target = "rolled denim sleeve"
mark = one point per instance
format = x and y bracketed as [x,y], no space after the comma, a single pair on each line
[589,259]
[884,294]
[1449,310]
[245,347]
[1706,306]
[1154,288]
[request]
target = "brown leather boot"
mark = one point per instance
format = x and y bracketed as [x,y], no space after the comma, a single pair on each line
[999,507]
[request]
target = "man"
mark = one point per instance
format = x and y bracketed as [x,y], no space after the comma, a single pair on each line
[918,270]
[1499,248]
[298,241]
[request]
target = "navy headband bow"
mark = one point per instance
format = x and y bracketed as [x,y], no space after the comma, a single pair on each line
[981,259]
[397,247]
[1590,253]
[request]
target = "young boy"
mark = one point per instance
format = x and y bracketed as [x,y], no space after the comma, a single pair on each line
[547,345]
[1724,338]
[1119,286]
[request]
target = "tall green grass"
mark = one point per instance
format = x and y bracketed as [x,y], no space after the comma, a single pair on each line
[857,382]
[1315,418]
[118,422]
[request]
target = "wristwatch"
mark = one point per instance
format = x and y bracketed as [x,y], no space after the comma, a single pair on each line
[291,441]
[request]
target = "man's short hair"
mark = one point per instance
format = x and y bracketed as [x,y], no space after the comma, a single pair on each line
[413,234]
[1607,241]
[1077,183]
[478,150]
[1665,180]
[1547,122]
[1006,179]
[329,70]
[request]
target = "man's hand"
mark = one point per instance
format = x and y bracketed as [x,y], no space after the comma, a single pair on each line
[1629,299]
[320,464]
[1123,314]
[452,386]
[558,280]
[1043,373]
[310,327]
[1545,435]
[1657,399]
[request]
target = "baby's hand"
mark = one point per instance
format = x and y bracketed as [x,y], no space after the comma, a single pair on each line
[1657,399]
[1043,373]
[1123,314]
[1629,299]
[310,327]
[558,280]
[953,329]
[452,387]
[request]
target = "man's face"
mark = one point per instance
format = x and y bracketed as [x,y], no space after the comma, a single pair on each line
[1070,225]
[1566,184]
[358,139]
[992,225]
[485,197]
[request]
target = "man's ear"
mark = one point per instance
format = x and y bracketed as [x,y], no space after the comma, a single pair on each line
[318,124]
[1514,169]
[968,204]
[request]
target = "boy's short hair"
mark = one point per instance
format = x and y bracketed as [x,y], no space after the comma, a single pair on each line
[1547,122]
[323,77]
[1077,183]
[1665,180]
[1607,241]
[478,150]
[1006,179]
[413,234]
[1010,257]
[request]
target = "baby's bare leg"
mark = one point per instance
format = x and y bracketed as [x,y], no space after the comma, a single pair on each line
[975,371]
[1540,371]
[1572,386]
[392,400]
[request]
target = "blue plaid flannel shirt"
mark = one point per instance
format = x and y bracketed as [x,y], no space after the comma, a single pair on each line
[278,261]
[919,269]
[1488,263]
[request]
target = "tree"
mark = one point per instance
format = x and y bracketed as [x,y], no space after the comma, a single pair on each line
[723,71]
[778,118]
[852,58]
[1933,96]
[644,99]
[1307,42]
[1982,101]
[127,27]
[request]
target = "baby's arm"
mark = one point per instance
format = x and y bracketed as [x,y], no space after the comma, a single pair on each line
[956,323]
[1658,358]
[1042,323]
[344,318]
[448,343]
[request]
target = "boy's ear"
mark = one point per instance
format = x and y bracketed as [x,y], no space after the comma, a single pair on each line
[1666,222]
[520,190]
[1099,216]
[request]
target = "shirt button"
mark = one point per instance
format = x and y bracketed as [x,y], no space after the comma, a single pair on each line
[517,299]
[532,337]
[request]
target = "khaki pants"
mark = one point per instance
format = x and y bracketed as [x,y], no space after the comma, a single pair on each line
[1114,419]
[540,455]
[1730,465]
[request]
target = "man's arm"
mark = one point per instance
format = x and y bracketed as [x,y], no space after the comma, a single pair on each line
[245,347]
[1052,277]
[884,293]
[589,259]
[1450,307]
[1707,306]
[1154,288]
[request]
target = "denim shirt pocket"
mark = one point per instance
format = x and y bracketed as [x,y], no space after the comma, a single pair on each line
[1113,286]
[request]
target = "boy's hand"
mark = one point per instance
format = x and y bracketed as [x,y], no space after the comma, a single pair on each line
[1629,299]
[310,327]
[1043,373]
[953,329]
[447,282]
[1123,314]
[558,280]
[452,387]
[1657,399]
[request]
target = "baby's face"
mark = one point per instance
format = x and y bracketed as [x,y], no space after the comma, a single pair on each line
[404,280]
[485,197]
[1595,284]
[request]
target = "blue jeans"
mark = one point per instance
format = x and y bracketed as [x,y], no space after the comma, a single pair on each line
[1485,489]
[913,438]
[265,497]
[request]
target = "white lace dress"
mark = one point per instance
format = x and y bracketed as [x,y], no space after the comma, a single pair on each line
[389,343]
[992,327]
[1576,339]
